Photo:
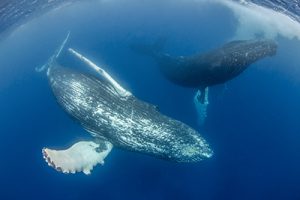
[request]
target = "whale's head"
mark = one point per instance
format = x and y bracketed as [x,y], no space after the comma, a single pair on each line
[260,48]
[188,146]
[234,57]
[249,51]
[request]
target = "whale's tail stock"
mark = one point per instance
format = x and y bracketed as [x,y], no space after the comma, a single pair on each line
[54,57]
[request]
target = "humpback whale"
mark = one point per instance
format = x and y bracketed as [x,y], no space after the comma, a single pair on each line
[203,70]
[115,118]
[211,68]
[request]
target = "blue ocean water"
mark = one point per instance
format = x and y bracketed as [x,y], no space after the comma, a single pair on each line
[253,122]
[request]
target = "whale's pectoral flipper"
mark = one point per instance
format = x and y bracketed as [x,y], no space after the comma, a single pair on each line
[54,56]
[80,157]
[117,87]
[201,103]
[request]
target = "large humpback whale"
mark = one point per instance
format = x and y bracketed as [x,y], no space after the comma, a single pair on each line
[114,118]
[211,68]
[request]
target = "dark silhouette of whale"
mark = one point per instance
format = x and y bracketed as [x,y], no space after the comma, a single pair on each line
[211,68]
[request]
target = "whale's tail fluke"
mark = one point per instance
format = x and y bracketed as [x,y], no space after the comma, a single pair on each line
[150,49]
[54,57]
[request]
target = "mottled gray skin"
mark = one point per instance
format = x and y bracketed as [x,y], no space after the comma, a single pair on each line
[214,67]
[211,68]
[127,123]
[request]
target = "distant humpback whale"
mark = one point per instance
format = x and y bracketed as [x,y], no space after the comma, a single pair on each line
[215,67]
[208,69]
[115,118]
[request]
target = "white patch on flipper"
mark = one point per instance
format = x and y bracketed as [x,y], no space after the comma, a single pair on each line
[119,89]
[81,157]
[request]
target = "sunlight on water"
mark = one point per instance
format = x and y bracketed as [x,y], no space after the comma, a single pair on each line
[257,20]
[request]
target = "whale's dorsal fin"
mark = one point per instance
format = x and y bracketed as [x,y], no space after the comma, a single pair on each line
[80,157]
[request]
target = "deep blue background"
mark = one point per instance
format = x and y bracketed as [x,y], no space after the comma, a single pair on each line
[253,122]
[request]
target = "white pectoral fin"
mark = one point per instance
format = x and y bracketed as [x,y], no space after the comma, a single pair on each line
[80,157]
[118,88]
